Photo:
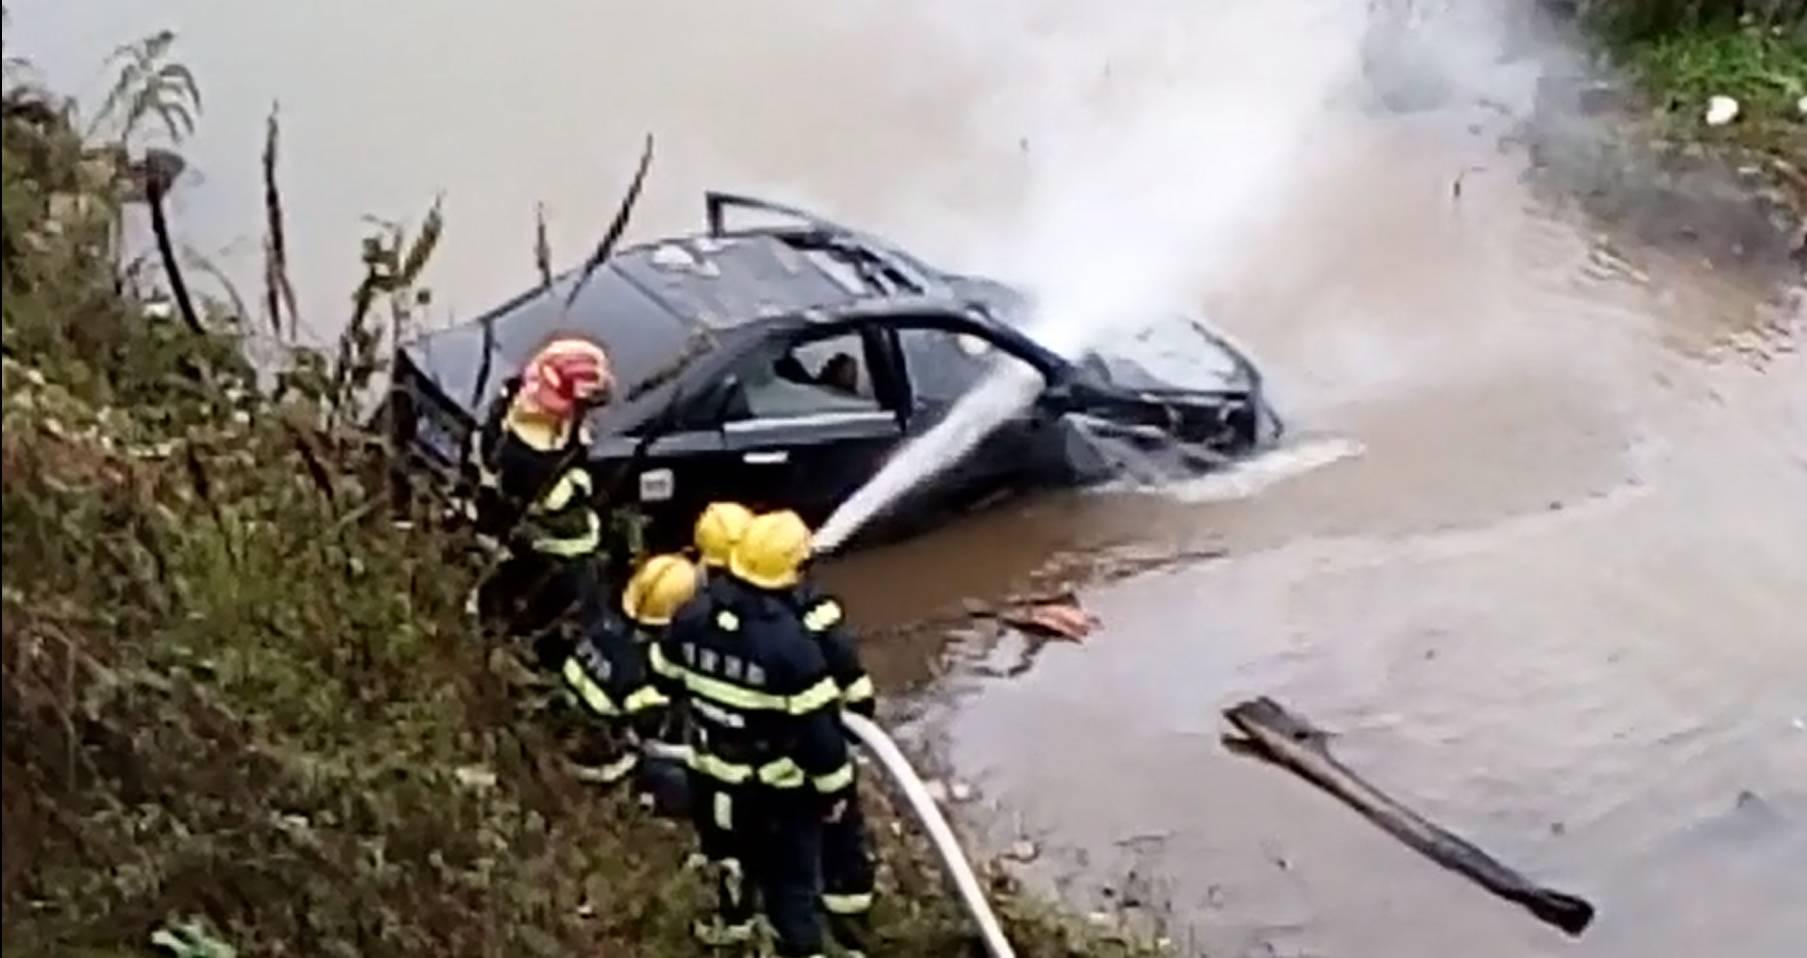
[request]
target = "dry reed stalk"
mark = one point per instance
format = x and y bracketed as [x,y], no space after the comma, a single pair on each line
[606,245]
[279,293]
[542,248]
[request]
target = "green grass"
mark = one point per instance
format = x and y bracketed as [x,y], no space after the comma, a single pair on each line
[1766,70]
[1634,20]
[1682,65]
[1683,53]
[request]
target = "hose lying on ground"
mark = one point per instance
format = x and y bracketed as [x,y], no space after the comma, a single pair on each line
[891,758]
[948,847]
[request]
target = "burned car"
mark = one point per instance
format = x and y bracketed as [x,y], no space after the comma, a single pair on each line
[781,364]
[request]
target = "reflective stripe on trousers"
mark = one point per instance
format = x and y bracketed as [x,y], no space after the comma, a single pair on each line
[847,904]
[782,773]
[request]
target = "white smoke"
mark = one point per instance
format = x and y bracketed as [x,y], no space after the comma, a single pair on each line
[1157,134]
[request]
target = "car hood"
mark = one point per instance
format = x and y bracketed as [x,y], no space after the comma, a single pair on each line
[1165,355]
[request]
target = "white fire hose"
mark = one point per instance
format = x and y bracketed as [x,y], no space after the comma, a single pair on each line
[892,758]
[947,846]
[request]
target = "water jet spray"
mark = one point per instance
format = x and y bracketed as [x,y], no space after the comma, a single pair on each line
[1159,145]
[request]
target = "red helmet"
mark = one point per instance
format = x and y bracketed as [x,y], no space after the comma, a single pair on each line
[563,374]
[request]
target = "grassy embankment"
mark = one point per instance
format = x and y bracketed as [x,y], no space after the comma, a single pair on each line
[242,706]
[1683,52]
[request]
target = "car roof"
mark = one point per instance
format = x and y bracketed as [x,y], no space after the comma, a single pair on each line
[721,282]
[649,305]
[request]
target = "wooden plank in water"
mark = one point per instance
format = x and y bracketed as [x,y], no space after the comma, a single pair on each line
[1288,740]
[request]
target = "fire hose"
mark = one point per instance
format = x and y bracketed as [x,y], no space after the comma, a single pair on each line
[903,775]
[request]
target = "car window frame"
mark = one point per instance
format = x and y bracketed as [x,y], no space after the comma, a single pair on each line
[956,322]
[722,435]
[999,337]
[881,365]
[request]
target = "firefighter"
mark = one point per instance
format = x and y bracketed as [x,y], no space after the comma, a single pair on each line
[847,866]
[769,764]
[535,496]
[623,708]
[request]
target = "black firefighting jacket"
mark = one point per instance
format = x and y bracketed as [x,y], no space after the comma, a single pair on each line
[825,619]
[608,672]
[762,707]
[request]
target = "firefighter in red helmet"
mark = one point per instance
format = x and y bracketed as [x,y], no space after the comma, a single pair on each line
[537,497]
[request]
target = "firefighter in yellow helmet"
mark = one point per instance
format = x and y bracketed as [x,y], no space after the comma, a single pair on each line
[848,872]
[769,762]
[536,497]
[607,674]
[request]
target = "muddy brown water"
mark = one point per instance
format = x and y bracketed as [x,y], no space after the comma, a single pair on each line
[1554,601]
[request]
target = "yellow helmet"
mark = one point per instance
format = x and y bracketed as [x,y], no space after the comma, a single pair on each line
[718,528]
[772,551]
[663,584]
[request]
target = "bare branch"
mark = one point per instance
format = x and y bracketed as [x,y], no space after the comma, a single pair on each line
[278,292]
[618,226]
[157,180]
[542,248]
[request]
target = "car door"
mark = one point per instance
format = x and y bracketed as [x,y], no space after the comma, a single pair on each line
[943,358]
[670,478]
[809,415]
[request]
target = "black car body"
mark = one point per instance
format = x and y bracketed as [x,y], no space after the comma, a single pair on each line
[725,345]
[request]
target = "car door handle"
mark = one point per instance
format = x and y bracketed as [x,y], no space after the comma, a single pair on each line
[770,458]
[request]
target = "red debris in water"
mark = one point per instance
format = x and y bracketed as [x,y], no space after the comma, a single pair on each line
[1054,620]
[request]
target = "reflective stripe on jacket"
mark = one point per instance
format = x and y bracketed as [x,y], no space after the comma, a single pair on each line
[607,672]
